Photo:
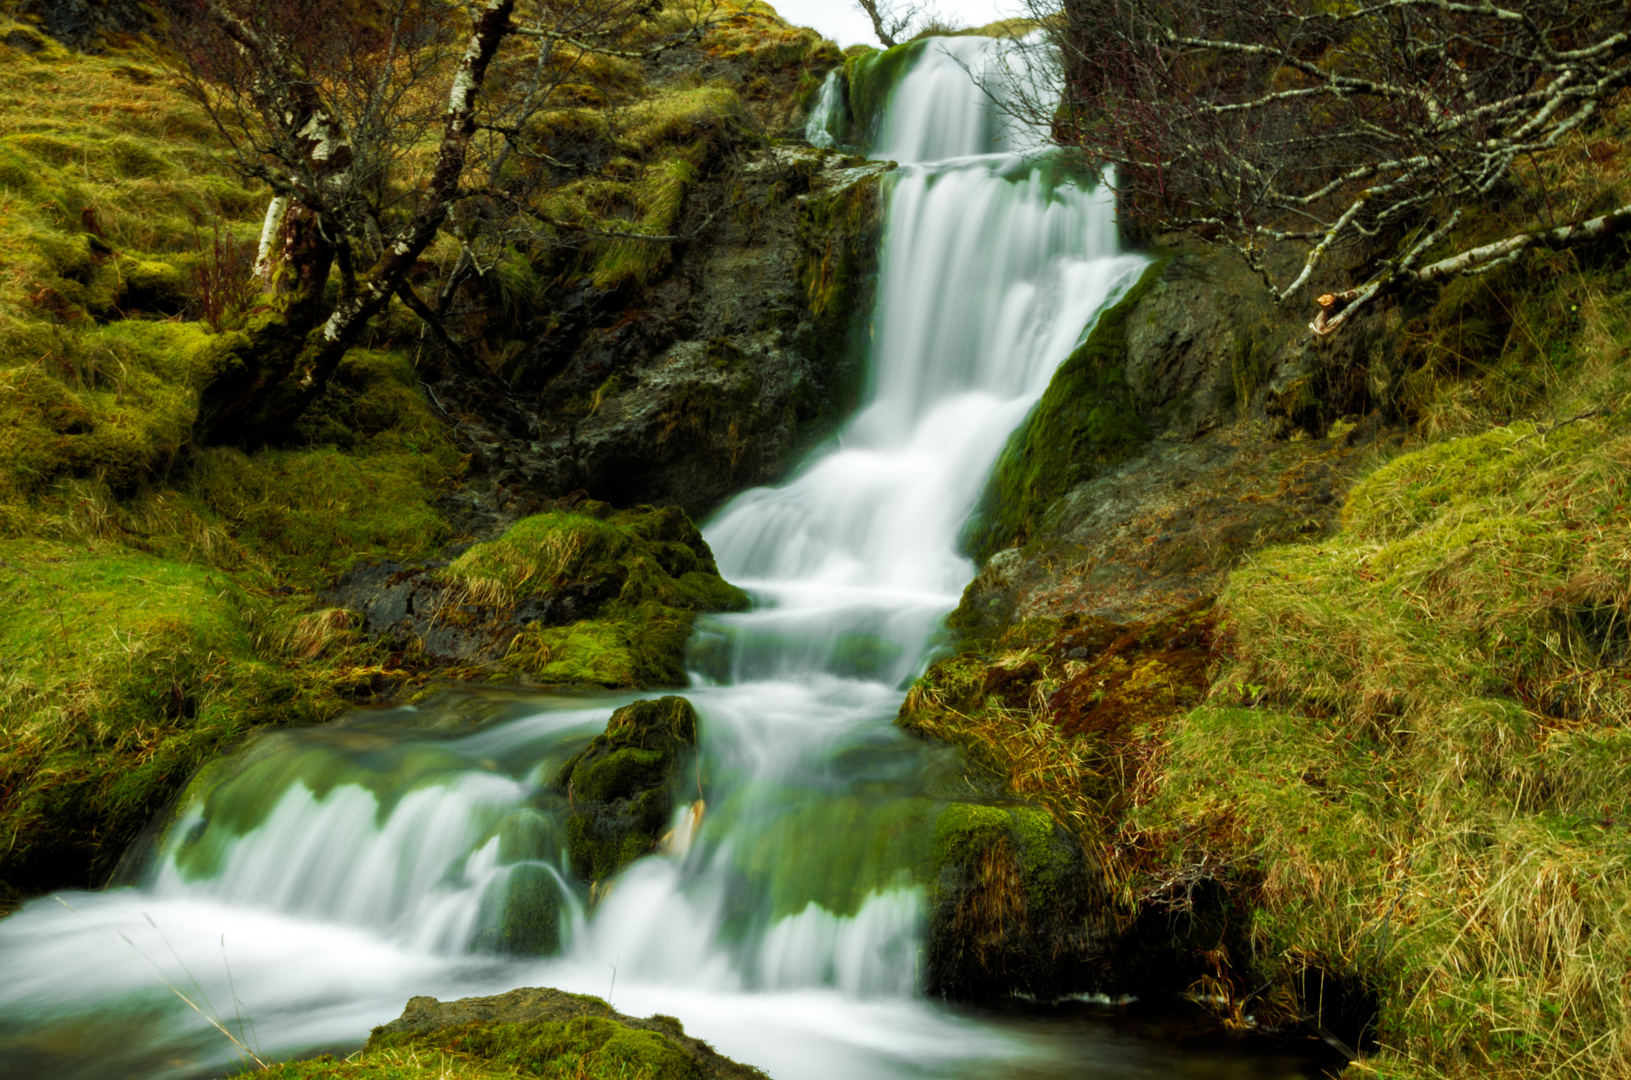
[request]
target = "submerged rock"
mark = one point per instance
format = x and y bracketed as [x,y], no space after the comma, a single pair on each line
[621,787]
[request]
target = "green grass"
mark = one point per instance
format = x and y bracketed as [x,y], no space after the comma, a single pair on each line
[1435,786]
[123,673]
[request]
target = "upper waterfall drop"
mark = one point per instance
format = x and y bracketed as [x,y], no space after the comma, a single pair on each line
[992,264]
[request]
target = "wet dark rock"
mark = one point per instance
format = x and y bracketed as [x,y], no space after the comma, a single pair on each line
[717,377]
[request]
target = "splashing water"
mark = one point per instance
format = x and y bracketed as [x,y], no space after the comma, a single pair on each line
[322,876]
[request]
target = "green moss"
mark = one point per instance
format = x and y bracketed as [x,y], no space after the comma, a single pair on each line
[312,513]
[962,829]
[530,921]
[838,236]
[621,787]
[647,573]
[591,1047]
[619,775]
[1087,418]
[871,77]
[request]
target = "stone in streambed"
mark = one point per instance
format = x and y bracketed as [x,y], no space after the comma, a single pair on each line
[622,786]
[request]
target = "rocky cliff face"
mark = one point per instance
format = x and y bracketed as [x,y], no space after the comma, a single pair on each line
[1196,423]
[719,376]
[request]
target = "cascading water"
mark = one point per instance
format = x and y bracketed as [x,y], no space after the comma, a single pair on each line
[325,875]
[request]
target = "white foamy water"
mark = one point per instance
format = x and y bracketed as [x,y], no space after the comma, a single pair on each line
[327,875]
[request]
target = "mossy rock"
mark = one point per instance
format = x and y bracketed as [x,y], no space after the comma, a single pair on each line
[1014,905]
[871,77]
[622,785]
[1088,418]
[529,923]
[839,231]
[604,598]
[525,1032]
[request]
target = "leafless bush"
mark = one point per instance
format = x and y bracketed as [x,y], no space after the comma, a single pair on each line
[895,21]
[223,278]
[1389,126]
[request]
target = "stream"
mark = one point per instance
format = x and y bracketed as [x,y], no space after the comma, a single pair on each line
[319,877]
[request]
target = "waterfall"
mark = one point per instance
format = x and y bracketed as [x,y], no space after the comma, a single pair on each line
[323,876]
[828,107]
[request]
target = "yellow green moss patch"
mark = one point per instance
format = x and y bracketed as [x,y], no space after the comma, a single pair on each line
[123,673]
[636,580]
[1429,773]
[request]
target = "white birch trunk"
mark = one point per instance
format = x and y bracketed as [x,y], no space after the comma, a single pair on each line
[275,211]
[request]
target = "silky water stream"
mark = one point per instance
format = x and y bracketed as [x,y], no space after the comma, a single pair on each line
[330,873]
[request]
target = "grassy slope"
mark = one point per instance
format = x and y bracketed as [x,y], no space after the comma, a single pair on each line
[155,592]
[162,595]
[1408,767]
[1433,778]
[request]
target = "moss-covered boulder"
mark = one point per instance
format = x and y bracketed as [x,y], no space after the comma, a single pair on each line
[1014,906]
[583,595]
[526,1032]
[1087,418]
[622,786]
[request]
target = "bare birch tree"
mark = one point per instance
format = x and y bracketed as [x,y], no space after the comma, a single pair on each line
[1389,126]
[894,22]
[377,127]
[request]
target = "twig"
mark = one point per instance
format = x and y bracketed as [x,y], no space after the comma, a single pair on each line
[168,982]
[1605,410]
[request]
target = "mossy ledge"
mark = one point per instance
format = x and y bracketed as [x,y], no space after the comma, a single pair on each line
[1087,418]
[583,595]
[526,1032]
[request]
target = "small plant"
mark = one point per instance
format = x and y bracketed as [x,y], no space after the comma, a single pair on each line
[223,278]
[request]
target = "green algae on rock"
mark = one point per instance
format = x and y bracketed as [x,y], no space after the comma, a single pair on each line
[1015,905]
[621,786]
